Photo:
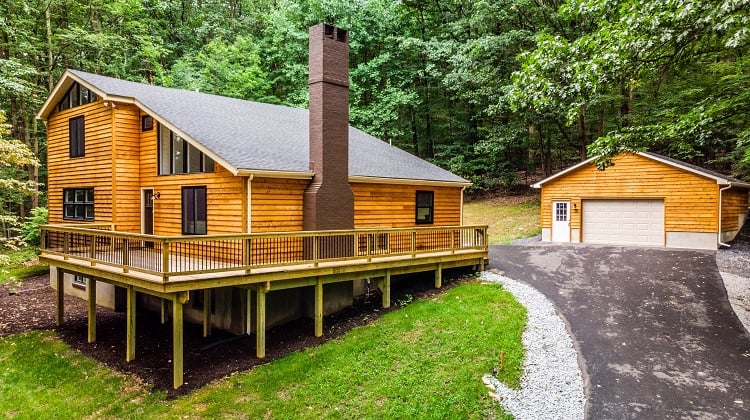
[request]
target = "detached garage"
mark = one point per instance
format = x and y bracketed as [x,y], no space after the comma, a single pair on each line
[643,199]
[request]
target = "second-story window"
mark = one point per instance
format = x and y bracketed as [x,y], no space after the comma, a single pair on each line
[177,156]
[77,134]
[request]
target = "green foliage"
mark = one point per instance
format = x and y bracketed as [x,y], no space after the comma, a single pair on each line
[490,89]
[424,360]
[31,229]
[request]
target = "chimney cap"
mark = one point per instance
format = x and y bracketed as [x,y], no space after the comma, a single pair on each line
[325,30]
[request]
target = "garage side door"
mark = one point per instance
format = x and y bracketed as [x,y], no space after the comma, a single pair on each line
[623,222]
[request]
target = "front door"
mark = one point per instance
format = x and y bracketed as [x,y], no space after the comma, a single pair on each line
[561,221]
[148,215]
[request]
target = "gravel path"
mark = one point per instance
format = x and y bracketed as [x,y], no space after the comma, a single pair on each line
[734,267]
[552,383]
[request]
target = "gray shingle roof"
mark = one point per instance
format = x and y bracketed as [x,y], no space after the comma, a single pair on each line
[264,137]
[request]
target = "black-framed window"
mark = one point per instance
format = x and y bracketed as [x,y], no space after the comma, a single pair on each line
[75,96]
[194,211]
[77,134]
[147,123]
[80,281]
[425,207]
[78,204]
[177,156]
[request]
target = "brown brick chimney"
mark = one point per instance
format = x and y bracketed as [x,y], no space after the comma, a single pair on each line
[328,200]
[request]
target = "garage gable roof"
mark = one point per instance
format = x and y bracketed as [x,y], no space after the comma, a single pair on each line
[720,179]
[248,137]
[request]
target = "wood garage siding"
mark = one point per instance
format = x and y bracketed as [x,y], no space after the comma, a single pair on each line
[394,205]
[94,169]
[734,205]
[690,201]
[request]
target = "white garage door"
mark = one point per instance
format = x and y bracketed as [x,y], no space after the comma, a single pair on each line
[623,222]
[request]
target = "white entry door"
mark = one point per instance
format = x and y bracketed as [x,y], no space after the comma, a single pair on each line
[561,221]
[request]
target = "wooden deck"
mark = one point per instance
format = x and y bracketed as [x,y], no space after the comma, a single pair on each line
[170,267]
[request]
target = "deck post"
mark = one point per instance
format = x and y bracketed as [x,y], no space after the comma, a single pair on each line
[319,308]
[130,325]
[60,297]
[439,276]
[125,255]
[177,342]
[249,312]
[165,260]
[260,328]
[387,289]
[206,312]
[91,296]
[164,311]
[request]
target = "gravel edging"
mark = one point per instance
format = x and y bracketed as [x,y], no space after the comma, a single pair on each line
[552,382]
[738,292]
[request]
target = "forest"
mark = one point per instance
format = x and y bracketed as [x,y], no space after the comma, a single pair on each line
[501,92]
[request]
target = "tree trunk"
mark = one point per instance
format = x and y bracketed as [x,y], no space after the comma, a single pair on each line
[50,60]
[582,137]
[414,136]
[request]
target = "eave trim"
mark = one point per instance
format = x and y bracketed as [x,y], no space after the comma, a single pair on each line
[383,180]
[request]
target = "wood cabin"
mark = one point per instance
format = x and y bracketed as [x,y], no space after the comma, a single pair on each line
[643,199]
[237,214]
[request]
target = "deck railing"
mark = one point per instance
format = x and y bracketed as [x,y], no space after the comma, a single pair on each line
[168,256]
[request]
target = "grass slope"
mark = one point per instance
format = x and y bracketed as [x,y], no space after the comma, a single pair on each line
[20,264]
[508,218]
[422,361]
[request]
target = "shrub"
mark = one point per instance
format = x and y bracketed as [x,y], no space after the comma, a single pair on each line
[30,229]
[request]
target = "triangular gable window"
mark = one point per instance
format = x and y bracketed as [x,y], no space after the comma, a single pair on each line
[76,95]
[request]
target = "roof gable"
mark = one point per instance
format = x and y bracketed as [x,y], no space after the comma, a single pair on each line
[249,137]
[697,170]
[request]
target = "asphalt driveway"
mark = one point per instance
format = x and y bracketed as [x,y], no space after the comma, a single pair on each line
[654,328]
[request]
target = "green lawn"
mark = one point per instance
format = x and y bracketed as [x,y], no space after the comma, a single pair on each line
[508,218]
[20,264]
[425,360]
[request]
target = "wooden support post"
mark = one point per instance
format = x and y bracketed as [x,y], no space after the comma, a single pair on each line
[177,342]
[387,289]
[91,296]
[206,312]
[319,308]
[439,276]
[163,311]
[260,327]
[481,264]
[130,325]
[249,312]
[60,297]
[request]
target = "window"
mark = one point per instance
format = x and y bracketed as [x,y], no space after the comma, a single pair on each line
[75,96]
[80,281]
[425,207]
[194,211]
[177,156]
[147,123]
[78,204]
[561,212]
[77,136]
